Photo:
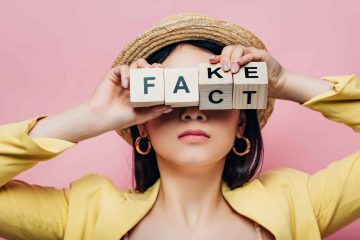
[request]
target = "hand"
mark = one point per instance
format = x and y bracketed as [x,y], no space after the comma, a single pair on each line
[111,99]
[239,55]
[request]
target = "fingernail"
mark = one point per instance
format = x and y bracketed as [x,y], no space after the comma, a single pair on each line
[212,57]
[126,82]
[233,67]
[168,110]
[239,61]
[225,65]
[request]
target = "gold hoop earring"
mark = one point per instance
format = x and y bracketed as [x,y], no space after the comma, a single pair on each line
[248,145]
[138,149]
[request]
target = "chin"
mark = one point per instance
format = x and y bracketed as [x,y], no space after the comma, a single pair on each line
[194,158]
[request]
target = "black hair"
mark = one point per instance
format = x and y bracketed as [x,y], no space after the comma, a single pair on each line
[238,170]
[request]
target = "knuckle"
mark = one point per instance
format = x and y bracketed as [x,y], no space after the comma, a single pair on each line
[249,49]
[240,46]
[133,64]
[249,56]
[223,58]
[142,60]
[244,58]
[123,67]
[227,49]
[236,54]
[262,51]
[234,57]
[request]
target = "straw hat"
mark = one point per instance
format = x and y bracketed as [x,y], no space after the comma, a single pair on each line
[189,26]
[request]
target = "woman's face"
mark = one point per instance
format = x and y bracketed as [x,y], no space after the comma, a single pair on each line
[221,125]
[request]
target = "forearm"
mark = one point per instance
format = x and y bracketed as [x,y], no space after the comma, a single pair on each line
[74,125]
[300,88]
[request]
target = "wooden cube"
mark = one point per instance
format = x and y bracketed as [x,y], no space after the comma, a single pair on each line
[146,87]
[251,86]
[181,87]
[215,87]
[206,86]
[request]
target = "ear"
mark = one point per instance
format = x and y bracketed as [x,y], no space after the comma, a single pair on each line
[241,124]
[142,130]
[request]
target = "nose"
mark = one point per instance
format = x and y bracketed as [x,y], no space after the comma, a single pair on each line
[193,113]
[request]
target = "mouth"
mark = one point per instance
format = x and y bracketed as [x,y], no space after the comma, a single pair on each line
[194,135]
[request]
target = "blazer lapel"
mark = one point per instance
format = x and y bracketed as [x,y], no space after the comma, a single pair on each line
[124,210]
[253,201]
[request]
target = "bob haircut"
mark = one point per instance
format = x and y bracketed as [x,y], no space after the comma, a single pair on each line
[238,170]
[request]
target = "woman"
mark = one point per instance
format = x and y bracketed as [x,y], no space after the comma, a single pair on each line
[206,190]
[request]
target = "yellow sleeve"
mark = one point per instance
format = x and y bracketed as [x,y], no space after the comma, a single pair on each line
[334,191]
[29,211]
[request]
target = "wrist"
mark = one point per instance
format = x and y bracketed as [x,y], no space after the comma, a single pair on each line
[300,88]
[286,90]
[92,118]
[74,125]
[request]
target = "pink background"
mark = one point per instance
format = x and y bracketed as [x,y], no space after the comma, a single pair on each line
[52,54]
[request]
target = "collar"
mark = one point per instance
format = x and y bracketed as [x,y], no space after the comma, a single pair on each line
[124,210]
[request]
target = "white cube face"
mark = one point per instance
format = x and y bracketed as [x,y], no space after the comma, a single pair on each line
[251,86]
[146,86]
[216,96]
[181,86]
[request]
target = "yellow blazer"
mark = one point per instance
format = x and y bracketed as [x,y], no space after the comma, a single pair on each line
[290,203]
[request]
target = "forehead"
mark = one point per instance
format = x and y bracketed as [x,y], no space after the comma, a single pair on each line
[186,55]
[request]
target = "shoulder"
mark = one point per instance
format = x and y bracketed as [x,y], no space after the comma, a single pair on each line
[288,187]
[283,177]
[284,172]
[92,180]
[95,184]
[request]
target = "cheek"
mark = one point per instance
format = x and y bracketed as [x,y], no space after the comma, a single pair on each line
[163,137]
[158,128]
[228,120]
[224,134]
[225,128]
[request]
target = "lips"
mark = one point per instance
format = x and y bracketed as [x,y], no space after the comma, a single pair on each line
[196,132]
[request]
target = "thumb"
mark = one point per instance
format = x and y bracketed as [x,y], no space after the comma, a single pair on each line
[114,74]
[148,113]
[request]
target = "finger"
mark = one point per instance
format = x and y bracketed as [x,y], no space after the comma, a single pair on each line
[114,75]
[147,113]
[157,65]
[140,63]
[133,64]
[161,108]
[251,49]
[253,56]
[259,54]
[214,58]
[225,57]
[125,75]
[235,56]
